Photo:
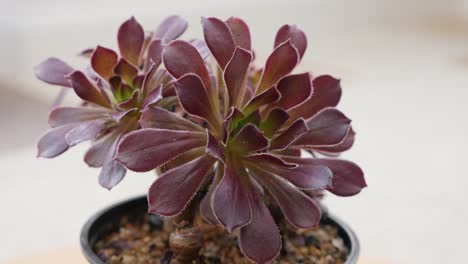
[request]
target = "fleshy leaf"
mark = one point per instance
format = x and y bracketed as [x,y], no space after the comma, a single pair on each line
[218,37]
[240,32]
[85,131]
[348,178]
[181,57]
[111,174]
[194,99]
[346,144]
[231,203]
[327,128]
[290,135]
[171,28]
[297,36]
[103,61]
[260,240]
[275,119]
[146,149]
[60,116]
[131,37]
[235,75]
[156,117]
[174,189]
[206,210]
[132,102]
[126,70]
[304,176]
[53,71]
[298,208]
[53,142]
[280,63]
[86,90]
[202,48]
[153,97]
[103,149]
[214,147]
[268,97]
[326,93]
[249,139]
[294,90]
[154,53]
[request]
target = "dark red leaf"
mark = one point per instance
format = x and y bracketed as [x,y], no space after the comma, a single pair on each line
[103,61]
[275,119]
[86,90]
[126,70]
[131,37]
[327,128]
[248,140]
[294,90]
[173,190]
[146,149]
[214,147]
[67,115]
[326,93]
[240,32]
[111,174]
[235,76]
[268,97]
[154,54]
[231,200]
[260,241]
[156,117]
[346,144]
[280,63]
[53,71]
[206,210]
[297,37]
[153,97]
[218,37]
[171,28]
[103,149]
[290,135]
[86,131]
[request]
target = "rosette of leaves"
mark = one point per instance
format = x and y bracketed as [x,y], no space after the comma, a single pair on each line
[114,90]
[249,150]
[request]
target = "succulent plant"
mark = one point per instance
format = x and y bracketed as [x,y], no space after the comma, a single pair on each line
[240,135]
[114,90]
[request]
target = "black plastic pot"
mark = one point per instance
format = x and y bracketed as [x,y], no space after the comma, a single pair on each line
[108,220]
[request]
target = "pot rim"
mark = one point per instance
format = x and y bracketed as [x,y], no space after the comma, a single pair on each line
[344,231]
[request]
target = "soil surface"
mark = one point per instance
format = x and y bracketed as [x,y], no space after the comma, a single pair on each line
[146,240]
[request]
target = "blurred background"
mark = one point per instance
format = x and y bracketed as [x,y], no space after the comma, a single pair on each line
[404,71]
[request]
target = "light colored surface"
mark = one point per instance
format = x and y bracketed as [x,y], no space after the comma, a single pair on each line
[405,86]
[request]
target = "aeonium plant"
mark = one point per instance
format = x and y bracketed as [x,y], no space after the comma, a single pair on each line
[114,91]
[241,137]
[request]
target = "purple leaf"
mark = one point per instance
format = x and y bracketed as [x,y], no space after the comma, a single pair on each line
[326,93]
[119,115]
[231,200]
[174,189]
[131,38]
[181,57]
[126,70]
[86,90]
[248,140]
[132,102]
[298,208]
[171,28]
[303,176]
[154,53]
[240,32]
[206,210]
[146,149]
[194,99]
[235,76]
[153,97]
[53,71]
[103,149]
[111,174]
[67,115]
[260,241]
[268,97]
[348,178]
[297,37]
[275,119]
[103,61]
[53,142]
[290,135]
[218,37]
[86,131]
[156,117]
[280,63]
[202,48]
[346,144]
[214,147]
[327,128]
[294,90]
